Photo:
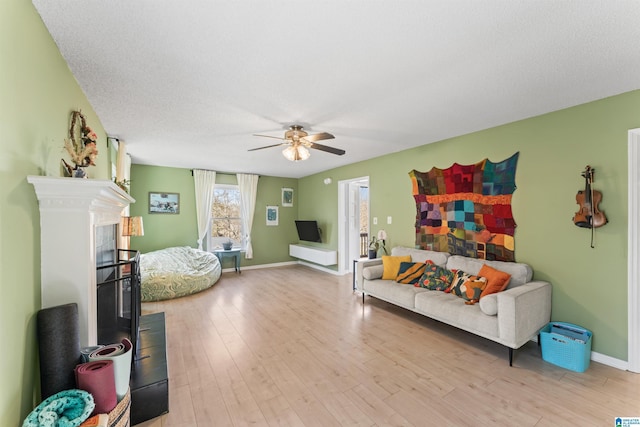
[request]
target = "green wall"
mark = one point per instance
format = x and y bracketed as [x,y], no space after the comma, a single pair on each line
[168,229]
[270,244]
[590,288]
[38,94]
[589,285]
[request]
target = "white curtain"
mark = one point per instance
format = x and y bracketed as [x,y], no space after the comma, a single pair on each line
[204,183]
[123,162]
[248,185]
[123,173]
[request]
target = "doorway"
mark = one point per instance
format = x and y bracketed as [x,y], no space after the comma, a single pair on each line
[353,221]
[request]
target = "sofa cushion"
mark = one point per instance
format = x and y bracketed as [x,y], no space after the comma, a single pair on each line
[497,280]
[436,278]
[410,272]
[450,309]
[391,265]
[420,255]
[372,272]
[520,273]
[396,293]
[468,286]
[489,304]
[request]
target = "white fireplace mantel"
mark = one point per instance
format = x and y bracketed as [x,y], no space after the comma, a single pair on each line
[70,211]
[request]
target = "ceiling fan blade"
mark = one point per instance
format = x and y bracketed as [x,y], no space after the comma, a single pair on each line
[318,137]
[328,149]
[268,146]
[269,136]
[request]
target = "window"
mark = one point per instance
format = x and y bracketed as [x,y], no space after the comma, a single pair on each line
[226,215]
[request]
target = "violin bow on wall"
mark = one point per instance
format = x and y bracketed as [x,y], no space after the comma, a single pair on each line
[589,215]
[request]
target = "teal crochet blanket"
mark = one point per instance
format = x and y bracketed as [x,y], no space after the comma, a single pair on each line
[69,408]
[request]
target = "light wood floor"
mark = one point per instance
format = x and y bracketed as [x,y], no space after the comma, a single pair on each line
[293,346]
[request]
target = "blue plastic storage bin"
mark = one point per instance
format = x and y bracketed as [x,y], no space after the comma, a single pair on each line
[566,345]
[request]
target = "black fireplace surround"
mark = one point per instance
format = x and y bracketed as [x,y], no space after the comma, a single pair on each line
[119,315]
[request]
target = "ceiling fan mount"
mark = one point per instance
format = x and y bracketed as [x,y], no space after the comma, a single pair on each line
[295,133]
[297,142]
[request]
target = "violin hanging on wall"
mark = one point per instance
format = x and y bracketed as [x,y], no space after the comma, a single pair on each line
[589,215]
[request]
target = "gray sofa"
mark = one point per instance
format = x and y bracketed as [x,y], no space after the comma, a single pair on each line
[511,317]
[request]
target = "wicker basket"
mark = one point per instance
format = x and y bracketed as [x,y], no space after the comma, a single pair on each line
[120,416]
[566,345]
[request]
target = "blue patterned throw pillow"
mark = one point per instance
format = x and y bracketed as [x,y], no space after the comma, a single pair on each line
[436,278]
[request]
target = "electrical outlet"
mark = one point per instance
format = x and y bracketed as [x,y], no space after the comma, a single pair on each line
[375,220]
[388,220]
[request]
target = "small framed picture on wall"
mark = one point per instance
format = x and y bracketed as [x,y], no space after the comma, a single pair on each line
[287,197]
[168,203]
[272,215]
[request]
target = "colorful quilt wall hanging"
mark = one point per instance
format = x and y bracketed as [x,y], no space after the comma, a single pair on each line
[466,209]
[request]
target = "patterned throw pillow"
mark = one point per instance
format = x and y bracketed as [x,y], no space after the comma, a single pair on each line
[468,286]
[435,277]
[410,272]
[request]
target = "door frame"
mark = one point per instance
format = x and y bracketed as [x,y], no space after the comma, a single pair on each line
[633,252]
[343,217]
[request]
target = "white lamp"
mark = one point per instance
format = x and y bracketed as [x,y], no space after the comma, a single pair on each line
[296,152]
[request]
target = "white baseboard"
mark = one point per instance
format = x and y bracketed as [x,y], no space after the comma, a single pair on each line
[321,268]
[610,361]
[604,359]
[255,267]
[283,264]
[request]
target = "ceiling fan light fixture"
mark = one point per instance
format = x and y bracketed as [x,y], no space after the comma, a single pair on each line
[296,153]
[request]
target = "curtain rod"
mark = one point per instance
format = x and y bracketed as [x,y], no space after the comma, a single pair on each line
[224,173]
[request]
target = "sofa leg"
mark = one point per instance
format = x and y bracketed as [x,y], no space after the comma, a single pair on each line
[510,356]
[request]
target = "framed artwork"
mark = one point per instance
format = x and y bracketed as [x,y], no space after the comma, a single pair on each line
[272,215]
[287,197]
[166,203]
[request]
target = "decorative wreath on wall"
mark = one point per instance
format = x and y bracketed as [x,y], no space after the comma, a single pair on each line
[81,144]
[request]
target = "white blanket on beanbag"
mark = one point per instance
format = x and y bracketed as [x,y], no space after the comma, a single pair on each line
[175,272]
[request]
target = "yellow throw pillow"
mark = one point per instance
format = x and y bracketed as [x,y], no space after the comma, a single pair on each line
[391,265]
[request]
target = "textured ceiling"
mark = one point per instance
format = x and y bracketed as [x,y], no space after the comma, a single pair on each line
[186,83]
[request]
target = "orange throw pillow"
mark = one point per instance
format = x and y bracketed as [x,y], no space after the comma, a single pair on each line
[497,281]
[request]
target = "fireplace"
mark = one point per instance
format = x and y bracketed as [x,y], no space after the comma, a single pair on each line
[71,212]
[74,248]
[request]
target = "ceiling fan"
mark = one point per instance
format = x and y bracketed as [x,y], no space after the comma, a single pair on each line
[298,141]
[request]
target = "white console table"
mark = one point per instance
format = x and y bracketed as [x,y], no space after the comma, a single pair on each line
[314,254]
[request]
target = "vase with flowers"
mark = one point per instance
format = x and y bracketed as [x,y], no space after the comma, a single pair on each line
[81,146]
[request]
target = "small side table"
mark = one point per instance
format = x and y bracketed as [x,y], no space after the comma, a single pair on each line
[235,253]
